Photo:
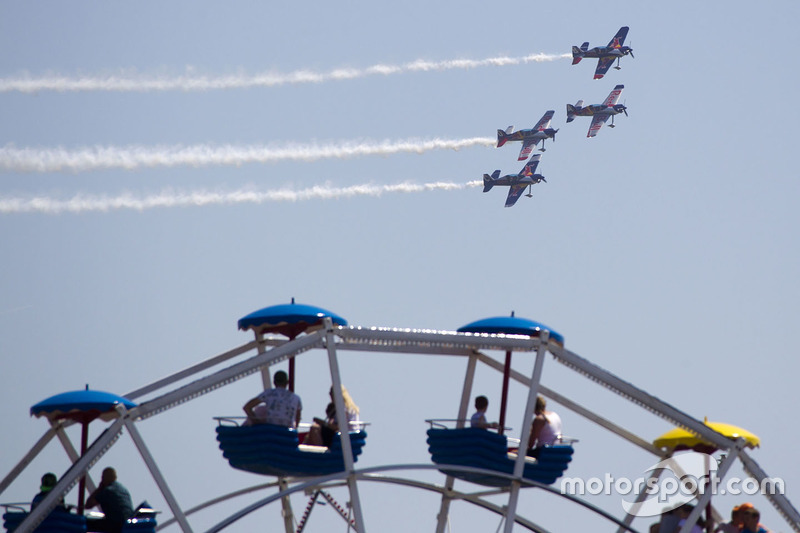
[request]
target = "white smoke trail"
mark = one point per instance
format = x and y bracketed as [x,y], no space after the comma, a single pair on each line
[133,81]
[60,159]
[84,203]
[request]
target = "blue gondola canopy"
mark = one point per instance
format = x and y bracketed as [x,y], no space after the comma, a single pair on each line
[81,405]
[511,325]
[288,319]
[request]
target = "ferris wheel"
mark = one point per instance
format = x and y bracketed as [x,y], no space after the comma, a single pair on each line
[484,463]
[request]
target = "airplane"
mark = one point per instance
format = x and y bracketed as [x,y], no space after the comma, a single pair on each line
[598,112]
[605,54]
[530,138]
[526,178]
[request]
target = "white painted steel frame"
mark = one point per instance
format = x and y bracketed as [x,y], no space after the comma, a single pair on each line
[344,425]
[386,340]
[372,474]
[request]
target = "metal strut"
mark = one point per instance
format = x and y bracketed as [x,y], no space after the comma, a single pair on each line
[351,522]
[346,515]
[310,507]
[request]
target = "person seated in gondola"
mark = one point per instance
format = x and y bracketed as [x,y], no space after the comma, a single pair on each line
[545,429]
[278,406]
[115,501]
[49,481]
[478,420]
[683,512]
[750,519]
[322,431]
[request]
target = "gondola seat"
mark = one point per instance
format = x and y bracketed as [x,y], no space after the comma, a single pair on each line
[275,451]
[480,448]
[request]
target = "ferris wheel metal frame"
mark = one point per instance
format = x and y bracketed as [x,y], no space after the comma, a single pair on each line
[208,376]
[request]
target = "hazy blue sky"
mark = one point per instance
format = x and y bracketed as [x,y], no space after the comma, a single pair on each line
[665,250]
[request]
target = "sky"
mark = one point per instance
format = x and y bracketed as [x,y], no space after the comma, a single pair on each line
[166,169]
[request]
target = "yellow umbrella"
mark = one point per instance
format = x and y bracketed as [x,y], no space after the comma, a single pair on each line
[681,439]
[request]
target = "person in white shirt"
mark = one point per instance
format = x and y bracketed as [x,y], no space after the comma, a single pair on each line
[478,420]
[545,429]
[278,406]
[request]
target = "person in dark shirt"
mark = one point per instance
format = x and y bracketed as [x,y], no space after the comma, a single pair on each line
[49,481]
[115,501]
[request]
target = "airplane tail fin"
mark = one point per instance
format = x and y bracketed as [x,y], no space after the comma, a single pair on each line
[488,181]
[501,138]
[572,110]
[576,55]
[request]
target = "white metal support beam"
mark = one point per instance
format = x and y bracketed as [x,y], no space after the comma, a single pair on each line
[344,425]
[27,459]
[524,433]
[286,506]
[177,512]
[705,496]
[632,513]
[577,408]
[778,499]
[190,371]
[73,457]
[225,376]
[261,347]
[68,480]
[640,397]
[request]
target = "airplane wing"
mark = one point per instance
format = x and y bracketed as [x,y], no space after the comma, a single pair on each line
[527,147]
[530,168]
[544,122]
[597,123]
[619,38]
[514,192]
[603,64]
[613,96]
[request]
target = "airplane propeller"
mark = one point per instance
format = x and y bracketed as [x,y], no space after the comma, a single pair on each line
[625,50]
[552,136]
[618,108]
